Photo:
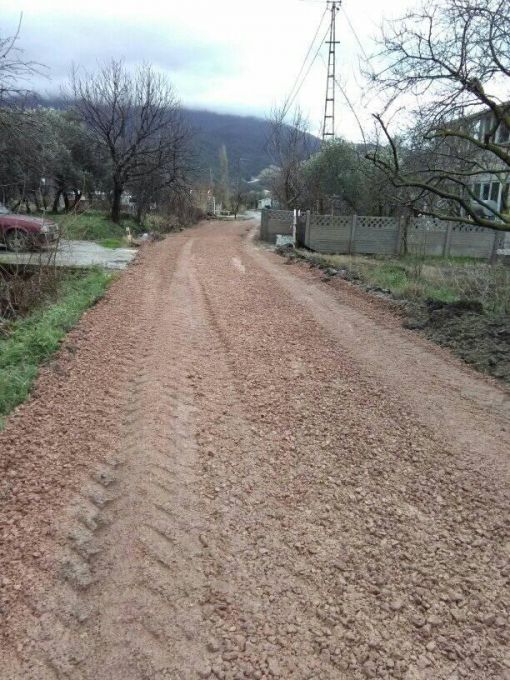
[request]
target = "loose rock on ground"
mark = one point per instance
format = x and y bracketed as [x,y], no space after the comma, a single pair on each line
[235,473]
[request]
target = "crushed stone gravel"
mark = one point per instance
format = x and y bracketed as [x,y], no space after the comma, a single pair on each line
[234,470]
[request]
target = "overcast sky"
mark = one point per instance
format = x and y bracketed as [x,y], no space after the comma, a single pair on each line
[223,55]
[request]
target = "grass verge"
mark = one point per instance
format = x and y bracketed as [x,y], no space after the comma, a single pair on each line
[94,226]
[32,341]
[446,280]
[459,303]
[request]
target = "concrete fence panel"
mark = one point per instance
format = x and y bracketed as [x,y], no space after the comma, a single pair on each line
[471,241]
[371,235]
[426,236]
[275,222]
[329,233]
[376,236]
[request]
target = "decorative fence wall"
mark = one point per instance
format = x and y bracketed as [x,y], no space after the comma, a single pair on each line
[433,237]
[275,222]
[382,235]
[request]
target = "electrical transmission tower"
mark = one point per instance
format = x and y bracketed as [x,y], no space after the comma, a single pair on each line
[328,128]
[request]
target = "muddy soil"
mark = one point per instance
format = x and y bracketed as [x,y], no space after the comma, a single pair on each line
[232,470]
[479,338]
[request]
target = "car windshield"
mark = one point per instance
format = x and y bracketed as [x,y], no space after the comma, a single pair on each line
[3,210]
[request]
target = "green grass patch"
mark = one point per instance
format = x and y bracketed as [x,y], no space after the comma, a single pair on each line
[388,275]
[113,243]
[434,260]
[34,339]
[94,226]
[428,278]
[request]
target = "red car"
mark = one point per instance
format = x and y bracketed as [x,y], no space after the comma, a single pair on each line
[22,232]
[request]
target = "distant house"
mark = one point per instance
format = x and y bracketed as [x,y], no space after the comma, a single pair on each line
[491,187]
[265,202]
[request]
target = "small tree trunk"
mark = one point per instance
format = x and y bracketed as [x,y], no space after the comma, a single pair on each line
[405,235]
[116,197]
[37,201]
[66,201]
[56,201]
[77,197]
[139,212]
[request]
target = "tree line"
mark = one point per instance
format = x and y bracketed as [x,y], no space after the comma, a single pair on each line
[121,132]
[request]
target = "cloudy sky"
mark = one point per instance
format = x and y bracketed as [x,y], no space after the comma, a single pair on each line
[235,56]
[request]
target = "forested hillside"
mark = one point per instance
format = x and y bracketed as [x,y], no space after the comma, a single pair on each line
[244,137]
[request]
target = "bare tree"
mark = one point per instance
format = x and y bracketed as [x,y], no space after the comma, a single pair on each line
[452,58]
[14,70]
[138,120]
[289,145]
[238,195]
[166,173]
[238,198]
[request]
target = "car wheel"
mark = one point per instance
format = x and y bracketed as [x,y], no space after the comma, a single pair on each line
[17,240]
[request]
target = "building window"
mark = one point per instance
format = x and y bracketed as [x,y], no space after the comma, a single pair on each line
[476,189]
[505,207]
[503,133]
[485,126]
[495,191]
[486,189]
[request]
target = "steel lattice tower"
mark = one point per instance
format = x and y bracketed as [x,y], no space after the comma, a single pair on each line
[328,128]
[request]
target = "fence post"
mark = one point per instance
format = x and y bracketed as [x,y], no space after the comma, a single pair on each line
[352,234]
[307,229]
[400,231]
[495,246]
[447,240]
[263,224]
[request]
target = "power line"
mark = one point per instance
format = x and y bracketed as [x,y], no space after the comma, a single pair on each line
[349,104]
[308,71]
[286,105]
[328,127]
[353,31]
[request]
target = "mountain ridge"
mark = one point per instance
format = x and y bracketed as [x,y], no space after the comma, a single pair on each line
[244,136]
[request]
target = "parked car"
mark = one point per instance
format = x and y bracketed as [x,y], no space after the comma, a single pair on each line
[22,232]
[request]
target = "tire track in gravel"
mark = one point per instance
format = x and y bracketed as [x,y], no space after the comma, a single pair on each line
[149,601]
[78,623]
[372,544]
[453,400]
[266,508]
[141,564]
[60,450]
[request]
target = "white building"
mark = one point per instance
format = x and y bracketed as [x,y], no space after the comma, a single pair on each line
[265,202]
[493,188]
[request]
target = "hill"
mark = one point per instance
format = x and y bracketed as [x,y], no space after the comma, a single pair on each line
[245,138]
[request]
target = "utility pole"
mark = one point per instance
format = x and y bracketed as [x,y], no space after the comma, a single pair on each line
[328,128]
[211,198]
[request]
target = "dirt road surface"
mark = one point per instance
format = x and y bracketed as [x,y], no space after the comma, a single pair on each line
[235,470]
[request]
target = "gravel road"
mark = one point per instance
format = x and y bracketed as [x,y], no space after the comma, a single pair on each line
[233,469]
